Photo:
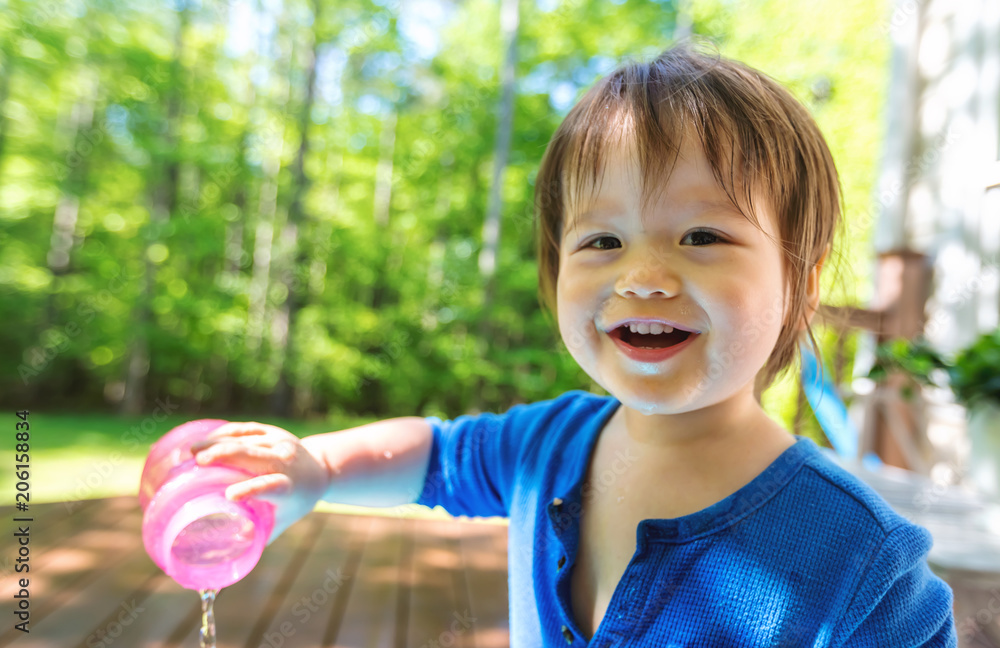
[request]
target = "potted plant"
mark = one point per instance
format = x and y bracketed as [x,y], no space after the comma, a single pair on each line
[973,375]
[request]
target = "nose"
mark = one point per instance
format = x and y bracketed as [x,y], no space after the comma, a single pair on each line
[648,280]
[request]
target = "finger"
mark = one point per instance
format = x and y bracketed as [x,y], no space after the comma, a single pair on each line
[261,440]
[282,451]
[253,458]
[258,460]
[238,429]
[268,488]
[198,446]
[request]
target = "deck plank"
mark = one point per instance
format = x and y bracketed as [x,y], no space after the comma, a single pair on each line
[484,554]
[370,618]
[58,518]
[322,587]
[102,557]
[51,524]
[438,596]
[167,607]
[87,613]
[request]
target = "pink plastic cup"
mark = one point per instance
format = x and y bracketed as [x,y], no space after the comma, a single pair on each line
[190,530]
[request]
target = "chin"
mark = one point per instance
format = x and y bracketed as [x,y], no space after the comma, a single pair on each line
[653,404]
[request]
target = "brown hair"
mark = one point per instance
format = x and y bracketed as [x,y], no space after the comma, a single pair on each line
[758,139]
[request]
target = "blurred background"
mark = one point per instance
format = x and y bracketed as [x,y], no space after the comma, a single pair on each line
[319,214]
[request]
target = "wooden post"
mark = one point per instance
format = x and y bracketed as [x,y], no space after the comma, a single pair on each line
[903,282]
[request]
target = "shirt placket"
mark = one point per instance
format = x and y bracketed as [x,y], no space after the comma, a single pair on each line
[628,594]
[563,526]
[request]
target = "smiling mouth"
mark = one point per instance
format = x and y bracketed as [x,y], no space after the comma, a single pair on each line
[649,341]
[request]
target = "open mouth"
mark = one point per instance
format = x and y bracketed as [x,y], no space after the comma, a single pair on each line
[650,340]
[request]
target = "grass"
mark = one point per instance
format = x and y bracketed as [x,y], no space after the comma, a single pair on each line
[89,456]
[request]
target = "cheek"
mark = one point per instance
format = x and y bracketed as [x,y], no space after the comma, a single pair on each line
[564,305]
[752,310]
[759,327]
[562,297]
[576,310]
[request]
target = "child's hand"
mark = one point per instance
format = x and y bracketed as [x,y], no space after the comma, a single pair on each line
[288,475]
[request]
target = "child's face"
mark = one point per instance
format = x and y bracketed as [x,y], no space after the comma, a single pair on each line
[622,264]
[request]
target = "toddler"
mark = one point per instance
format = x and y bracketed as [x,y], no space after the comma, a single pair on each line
[685,208]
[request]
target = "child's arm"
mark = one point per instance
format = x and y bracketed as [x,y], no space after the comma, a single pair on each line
[379,464]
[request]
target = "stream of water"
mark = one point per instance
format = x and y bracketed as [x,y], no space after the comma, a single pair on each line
[207,618]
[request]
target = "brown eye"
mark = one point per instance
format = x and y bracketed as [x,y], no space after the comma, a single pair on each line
[600,238]
[701,234]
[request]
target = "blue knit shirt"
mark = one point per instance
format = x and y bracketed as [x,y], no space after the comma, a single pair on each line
[803,555]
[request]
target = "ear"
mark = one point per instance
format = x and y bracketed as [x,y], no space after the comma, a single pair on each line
[812,290]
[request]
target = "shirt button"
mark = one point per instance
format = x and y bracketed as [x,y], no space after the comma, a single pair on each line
[567,634]
[562,561]
[557,502]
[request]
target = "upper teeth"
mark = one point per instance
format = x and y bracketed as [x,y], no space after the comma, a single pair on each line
[655,328]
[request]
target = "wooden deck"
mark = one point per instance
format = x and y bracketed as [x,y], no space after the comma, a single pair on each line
[329,580]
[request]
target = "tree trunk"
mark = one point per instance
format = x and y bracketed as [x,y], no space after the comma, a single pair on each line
[63,239]
[267,216]
[8,69]
[317,266]
[383,201]
[163,198]
[236,255]
[283,395]
[491,226]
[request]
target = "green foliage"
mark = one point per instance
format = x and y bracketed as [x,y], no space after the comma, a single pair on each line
[973,373]
[916,358]
[157,234]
